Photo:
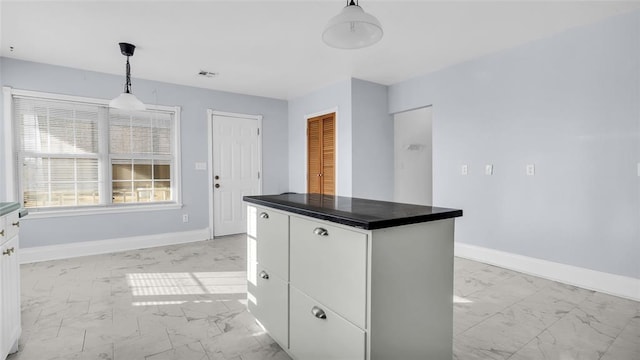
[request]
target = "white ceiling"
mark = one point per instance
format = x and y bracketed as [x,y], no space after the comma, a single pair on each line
[273,48]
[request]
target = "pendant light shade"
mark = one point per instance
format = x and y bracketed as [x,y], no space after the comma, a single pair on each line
[352,29]
[126,100]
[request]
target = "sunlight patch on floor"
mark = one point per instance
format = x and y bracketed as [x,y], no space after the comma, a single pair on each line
[181,284]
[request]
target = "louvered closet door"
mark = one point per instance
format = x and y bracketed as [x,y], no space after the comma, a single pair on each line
[321,154]
[328,155]
[315,156]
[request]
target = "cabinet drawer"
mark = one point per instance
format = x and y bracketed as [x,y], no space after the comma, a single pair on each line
[11,225]
[272,238]
[329,264]
[331,338]
[268,302]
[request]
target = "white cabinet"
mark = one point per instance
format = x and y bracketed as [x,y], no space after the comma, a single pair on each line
[273,242]
[320,334]
[271,307]
[329,264]
[10,328]
[346,293]
[268,270]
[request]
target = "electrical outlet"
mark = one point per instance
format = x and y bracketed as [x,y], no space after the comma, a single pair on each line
[488,170]
[185,218]
[464,169]
[531,169]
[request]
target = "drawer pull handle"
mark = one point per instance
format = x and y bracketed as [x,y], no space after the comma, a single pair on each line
[2,232]
[16,224]
[9,251]
[264,215]
[319,313]
[264,275]
[320,231]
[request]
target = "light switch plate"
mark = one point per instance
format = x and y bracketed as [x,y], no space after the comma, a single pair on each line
[464,169]
[488,170]
[531,169]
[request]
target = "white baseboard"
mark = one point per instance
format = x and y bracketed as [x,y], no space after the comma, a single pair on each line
[64,251]
[617,285]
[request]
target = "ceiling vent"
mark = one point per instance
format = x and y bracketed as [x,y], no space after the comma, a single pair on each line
[208,74]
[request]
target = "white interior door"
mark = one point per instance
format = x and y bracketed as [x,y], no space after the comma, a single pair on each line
[413,157]
[236,171]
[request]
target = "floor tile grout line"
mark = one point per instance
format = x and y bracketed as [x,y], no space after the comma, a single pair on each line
[577,307]
[169,337]
[59,326]
[543,330]
[498,312]
[615,338]
[84,339]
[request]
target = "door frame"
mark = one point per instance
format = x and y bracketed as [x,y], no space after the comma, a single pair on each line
[337,147]
[210,114]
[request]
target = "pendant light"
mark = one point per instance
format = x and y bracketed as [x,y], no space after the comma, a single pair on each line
[352,28]
[126,100]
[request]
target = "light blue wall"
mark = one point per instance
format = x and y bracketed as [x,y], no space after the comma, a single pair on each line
[364,138]
[568,104]
[194,103]
[336,96]
[372,128]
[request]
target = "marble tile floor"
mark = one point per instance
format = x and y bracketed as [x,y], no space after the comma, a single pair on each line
[187,302]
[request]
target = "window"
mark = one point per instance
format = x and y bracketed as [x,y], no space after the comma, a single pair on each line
[140,157]
[72,153]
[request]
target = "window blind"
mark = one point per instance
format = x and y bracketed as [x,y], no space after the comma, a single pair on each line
[75,154]
[58,152]
[140,134]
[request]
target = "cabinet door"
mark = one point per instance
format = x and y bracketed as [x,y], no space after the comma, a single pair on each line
[273,241]
[3,318]
[269,303]
[9,295]
[4,232]
[317,337]
[329,264]
[12,224]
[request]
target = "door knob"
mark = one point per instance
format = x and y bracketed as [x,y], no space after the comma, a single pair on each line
[217,186]
[264,215]
[264,275]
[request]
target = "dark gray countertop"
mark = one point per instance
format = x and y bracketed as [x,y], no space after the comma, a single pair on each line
[7,207]
[361,213]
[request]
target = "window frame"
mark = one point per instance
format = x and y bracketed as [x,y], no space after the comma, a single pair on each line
[13,186]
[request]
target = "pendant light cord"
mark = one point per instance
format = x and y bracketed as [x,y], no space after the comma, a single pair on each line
[127,83]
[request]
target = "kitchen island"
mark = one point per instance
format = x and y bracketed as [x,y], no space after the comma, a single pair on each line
[333,277]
